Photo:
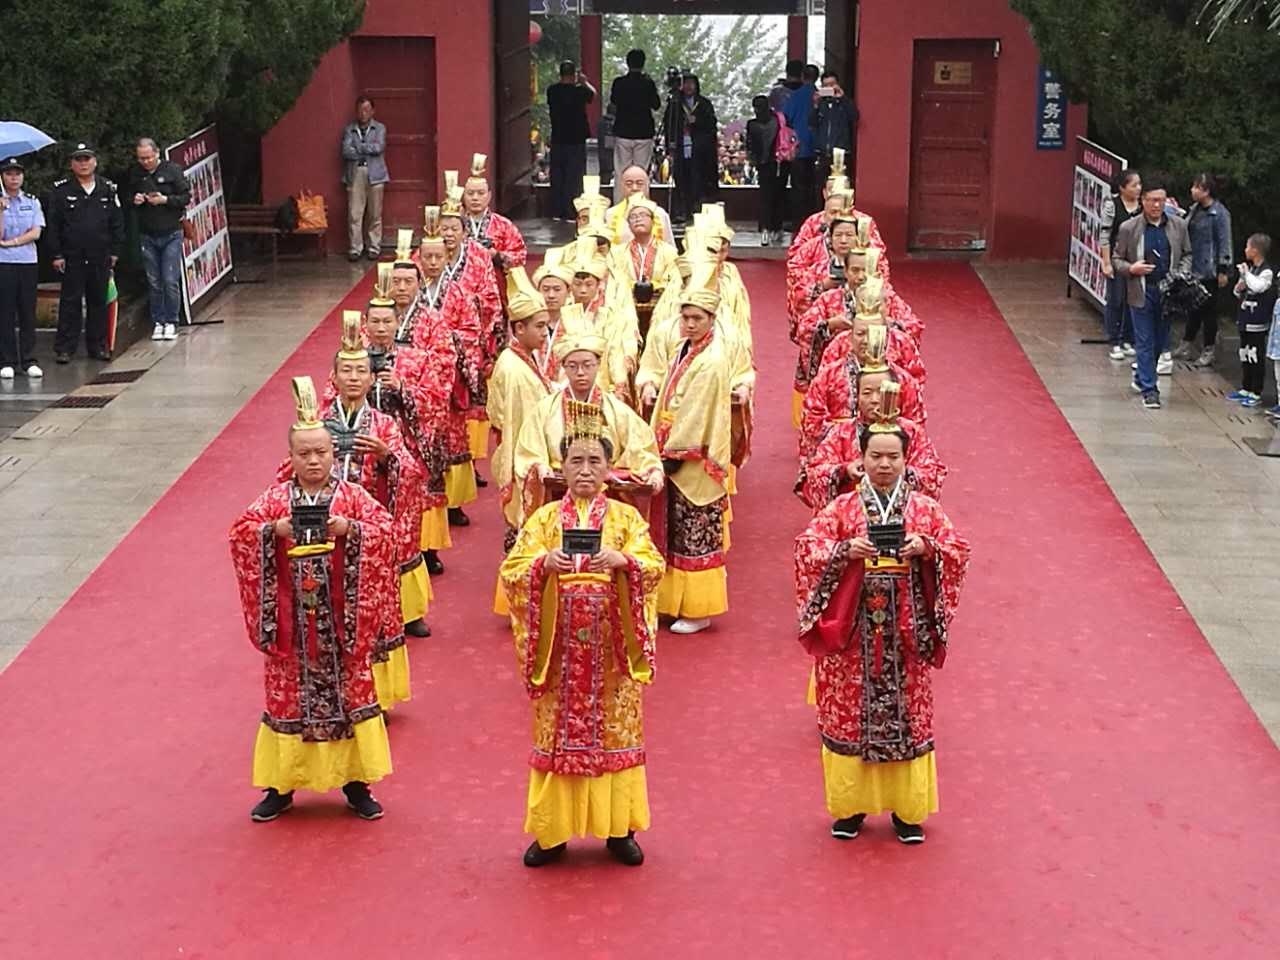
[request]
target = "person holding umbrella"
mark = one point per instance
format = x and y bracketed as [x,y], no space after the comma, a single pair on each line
[86,234]
[21,221]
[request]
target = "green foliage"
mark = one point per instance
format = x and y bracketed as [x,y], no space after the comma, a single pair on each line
[561,40]
[1167,99]
[120,69]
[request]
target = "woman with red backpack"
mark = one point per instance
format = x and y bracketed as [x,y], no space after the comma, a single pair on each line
[770,144]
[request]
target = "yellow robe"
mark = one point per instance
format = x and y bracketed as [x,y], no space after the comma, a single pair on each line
[515,390]
[664,342]
[620,332]
[598,791]
[665,272]
[735,304]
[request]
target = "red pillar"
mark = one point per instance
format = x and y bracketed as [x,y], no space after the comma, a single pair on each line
[798,39]
[591,42]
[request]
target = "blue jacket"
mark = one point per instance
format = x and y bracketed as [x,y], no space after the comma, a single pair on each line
[1210,231]
[369,150]
[798,112]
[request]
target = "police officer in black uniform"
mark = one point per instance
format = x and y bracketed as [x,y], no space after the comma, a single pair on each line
[86,234]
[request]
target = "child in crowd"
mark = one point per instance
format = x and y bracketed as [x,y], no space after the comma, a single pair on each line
[1256,290]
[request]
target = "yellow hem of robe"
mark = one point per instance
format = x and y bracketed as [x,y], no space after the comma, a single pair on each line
[478,439]
[286,762]
[391,678]
[500,605]
[415,594]
[797,408]
[561,807]
[908,788]
[435,530]
[460,484]
[694,594]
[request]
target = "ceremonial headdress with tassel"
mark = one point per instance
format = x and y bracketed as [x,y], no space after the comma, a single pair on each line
[382,283]
[404,247]
[583,421]
[307,405]
[478,172]
[887,413]
[523,301]
[837,181]
[588,259]
[352,345]
[431,237]
[588,342]
[451,206]
[703,289]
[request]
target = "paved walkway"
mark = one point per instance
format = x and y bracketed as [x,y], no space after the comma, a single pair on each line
[1206,505]
[73,482]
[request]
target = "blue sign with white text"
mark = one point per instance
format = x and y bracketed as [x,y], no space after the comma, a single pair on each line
[1051,113]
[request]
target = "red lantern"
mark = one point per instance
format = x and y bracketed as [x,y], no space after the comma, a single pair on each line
[535,32]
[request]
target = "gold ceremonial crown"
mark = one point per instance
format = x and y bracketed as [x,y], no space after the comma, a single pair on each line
[404,246]
[306,404]
[887,414]
[451,206]
[583,421]
[845,212]
[871,257]
[837,161]
[869,299]
[523,301]
[838,181]
[478,163]
[875,352]
[352,345]
[382,285]
[431,227]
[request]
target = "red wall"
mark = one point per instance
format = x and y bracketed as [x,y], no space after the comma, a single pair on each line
[1031,189]
[302,150]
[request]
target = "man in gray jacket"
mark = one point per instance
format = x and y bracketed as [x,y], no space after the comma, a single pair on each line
[364,173]
[1149,250]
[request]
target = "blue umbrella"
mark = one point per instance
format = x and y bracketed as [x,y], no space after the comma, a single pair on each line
[17,138]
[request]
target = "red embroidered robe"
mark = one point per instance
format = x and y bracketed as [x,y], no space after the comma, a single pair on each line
[824,476]
[446,330]
[877,633]
[900,349]
[814,226]
[833,396]
[315,618]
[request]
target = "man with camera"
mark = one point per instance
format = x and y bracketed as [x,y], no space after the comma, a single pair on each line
[634,96]
[567,102]
[834,119]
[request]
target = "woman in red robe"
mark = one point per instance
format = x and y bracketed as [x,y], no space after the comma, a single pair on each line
[878,578]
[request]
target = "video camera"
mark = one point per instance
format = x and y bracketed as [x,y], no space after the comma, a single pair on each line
[378,360]
[674,77]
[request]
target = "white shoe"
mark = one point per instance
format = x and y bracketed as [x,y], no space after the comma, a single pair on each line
[6,373]
[1164,366]
[1117,352]
[765,238]
[684,625]
[171,331]
[1134,365]
[158,332]
[34,371]
[1129,350]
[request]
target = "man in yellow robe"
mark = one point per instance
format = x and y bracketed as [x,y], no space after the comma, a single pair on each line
[635,187]
[645,266]
[597,316]
[537,453]
[517,385]
[692,422]
[584,618]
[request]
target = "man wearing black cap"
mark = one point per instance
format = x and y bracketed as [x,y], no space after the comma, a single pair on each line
[21,221]
[86,234]
[567,101]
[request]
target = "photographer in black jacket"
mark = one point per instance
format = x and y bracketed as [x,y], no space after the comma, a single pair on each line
[158,192]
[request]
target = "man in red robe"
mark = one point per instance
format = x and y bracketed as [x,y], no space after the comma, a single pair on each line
[836,465]
[878,578]
[306,607]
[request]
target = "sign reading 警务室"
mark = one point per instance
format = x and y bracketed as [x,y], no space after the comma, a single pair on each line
[206,255]
[1096,170]
[1051,112]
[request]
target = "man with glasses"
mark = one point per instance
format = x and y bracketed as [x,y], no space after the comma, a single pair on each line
[159,193]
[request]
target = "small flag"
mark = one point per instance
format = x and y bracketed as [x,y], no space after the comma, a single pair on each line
[113,311]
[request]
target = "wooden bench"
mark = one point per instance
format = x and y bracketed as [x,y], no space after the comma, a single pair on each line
[258,220]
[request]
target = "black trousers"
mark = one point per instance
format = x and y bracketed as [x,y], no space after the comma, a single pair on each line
[1205,316]
[802,190]
[1253,361]
[770,185]
[568,164]
[83,280]
[18,314]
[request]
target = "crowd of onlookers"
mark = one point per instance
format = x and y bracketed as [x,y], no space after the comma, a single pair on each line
[1169,264]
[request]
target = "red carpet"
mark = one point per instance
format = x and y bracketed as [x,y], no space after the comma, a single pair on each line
[1106,792]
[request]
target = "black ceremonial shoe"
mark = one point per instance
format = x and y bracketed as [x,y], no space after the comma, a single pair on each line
[361,801]
[272,804]
[848,827]
[417,628]
[908,832]
[457,518]
[536,856]
[432,559]
[626,850]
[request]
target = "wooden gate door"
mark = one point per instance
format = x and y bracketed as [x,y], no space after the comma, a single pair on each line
[513,97]
[399,73]
[951,123]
